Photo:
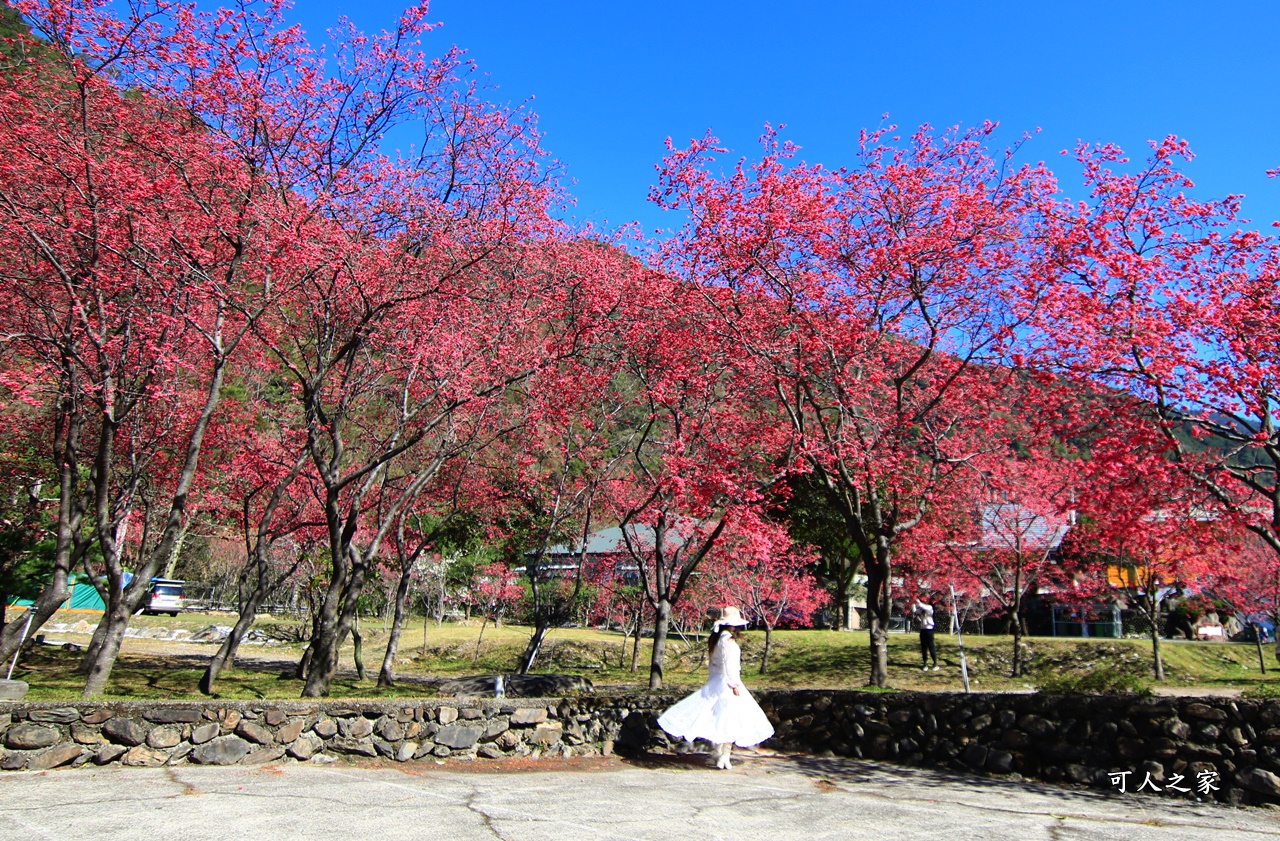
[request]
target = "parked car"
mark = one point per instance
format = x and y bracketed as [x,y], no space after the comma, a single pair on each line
[165,595]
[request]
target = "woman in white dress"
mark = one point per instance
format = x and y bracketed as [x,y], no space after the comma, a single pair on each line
[722,711]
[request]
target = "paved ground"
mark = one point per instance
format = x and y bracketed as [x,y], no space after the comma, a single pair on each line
[663,800]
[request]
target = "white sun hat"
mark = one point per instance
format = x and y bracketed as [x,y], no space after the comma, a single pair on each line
[731,617]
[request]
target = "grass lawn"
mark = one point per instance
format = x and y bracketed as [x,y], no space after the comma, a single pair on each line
[818,659]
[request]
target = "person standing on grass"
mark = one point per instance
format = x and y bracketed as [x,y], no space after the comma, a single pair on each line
[722,711]
[923,612]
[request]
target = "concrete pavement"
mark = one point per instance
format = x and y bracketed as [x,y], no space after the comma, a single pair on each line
[663,799]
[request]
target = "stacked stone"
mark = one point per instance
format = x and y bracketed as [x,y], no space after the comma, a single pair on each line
[44,736]
[1073,739]
[1066,738]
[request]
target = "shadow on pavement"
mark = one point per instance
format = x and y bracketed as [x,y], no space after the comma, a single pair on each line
[843,770]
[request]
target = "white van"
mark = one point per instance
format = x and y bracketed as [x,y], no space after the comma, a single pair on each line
[165,596]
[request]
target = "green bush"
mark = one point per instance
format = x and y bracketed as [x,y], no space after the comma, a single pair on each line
[1106,681]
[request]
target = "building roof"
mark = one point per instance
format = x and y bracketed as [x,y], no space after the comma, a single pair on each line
[1013,527]
[610,541]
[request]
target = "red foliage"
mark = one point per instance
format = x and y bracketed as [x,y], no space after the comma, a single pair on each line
[1170,302]
[877,306]
[496,591]
[235,208]
[769,579]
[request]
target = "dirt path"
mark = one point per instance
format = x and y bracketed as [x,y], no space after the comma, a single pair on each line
[1196,692]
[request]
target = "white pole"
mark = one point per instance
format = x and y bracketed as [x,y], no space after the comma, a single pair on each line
[955,615]
[25,628]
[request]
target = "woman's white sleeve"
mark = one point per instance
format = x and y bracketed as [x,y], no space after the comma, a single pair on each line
[733,664]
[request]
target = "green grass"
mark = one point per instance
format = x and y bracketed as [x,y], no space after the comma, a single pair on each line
[1103,681]
[800,659]
[1263,691]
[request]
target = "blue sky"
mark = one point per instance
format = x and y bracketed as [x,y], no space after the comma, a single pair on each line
[611,80]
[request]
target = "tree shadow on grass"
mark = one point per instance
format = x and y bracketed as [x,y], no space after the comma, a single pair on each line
[53,675]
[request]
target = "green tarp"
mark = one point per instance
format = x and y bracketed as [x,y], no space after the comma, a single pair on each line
[83,597]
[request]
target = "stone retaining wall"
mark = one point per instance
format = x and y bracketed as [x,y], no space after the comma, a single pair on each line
[1233,743]
[1075,739]
[40,736]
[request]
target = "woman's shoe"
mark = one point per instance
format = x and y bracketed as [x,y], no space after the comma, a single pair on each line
[723,762]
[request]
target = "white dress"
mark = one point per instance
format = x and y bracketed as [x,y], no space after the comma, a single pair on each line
[713,712]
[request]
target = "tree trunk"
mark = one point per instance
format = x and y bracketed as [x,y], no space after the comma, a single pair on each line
[309,653]
[335,619]
[483,622]
[530,654]
[1257,639]
[635,644]
[115,607]
[171,565]
[1016,611]
[426,618]
[95,644]
[357,650]
[768,641]
[252,589]
[879,609]
[122,604]
[126,599]
[324,654]
[304,663]
[225,658]
[1018,665]
[69,544]
[843,622]
[387,675]
[1157,659]
[99,671]
[661,624]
